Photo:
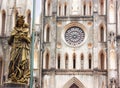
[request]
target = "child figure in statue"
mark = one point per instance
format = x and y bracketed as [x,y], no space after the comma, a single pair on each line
[20,42]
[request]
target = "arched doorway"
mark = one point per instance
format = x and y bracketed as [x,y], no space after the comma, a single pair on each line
[74,83]
[74,86]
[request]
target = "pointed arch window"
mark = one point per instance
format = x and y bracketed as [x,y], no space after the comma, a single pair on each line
[65,10]
[58,61]
[3,22]
[102,57]
[101,7]
[59,10]
[66,61]
[90,61]
[84,9]
[49,8]
[90,7]
[47,60]
[74,60]
[82,61]
[101,34]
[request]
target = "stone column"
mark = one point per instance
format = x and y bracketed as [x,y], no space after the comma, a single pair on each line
[63,61]
[87,9]
[70,61]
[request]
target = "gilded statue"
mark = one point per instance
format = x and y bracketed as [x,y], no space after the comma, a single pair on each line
[19,41]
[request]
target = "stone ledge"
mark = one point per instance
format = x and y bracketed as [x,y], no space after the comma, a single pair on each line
[15,85]
[75,72]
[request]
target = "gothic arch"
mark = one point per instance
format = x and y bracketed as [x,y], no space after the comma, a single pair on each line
[102,32]
[113,60]
[48,7]
[3,22]
[65,9]
[75,81]
[58,61]
[102,60]
[74,60]
[75,24]
[66,60]
[84,8]
[101,7]
[90,60]
[82,60]
[46,60]
[59,9]
[90,8]
[47,33]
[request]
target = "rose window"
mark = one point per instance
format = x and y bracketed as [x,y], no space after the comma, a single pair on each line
[74,36]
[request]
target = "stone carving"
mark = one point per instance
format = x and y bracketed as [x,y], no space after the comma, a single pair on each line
[112,40]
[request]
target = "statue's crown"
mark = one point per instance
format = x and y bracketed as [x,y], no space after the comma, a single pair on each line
[20,17]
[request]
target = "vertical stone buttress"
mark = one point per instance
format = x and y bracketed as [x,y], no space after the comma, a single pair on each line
[95,42]
[53,43]
[111,43]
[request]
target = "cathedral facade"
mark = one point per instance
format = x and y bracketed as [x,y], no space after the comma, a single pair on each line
[76,46]
[80,44]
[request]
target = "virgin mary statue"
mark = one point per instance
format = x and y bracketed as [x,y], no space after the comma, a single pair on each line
[20,46]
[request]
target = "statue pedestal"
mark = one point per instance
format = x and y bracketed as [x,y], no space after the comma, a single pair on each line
[15,85]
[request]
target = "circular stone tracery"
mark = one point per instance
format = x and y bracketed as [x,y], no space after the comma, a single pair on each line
[74,36]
